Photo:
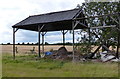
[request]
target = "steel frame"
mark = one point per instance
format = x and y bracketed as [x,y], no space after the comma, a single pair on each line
[14,31]
[117,27]
[39,32]
[64,32]
[43,34]
[75,22]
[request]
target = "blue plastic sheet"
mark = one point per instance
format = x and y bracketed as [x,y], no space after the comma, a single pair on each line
[48,53]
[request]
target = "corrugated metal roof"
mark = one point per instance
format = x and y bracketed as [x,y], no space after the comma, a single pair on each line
[61,18]
[49,17]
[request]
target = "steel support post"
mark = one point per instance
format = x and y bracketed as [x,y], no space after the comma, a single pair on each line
[14,30]
[43,34]
[42,42]
[118,45]
[74,24]
[89,41]
[73,41]
[64,32]
[39,44]
[13,43]
[63,38]
[39,31]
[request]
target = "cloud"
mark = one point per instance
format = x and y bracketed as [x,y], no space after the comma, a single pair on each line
[13,11]
[58,37]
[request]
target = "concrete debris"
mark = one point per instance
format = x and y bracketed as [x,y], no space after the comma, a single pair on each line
[63,54]
[107,57]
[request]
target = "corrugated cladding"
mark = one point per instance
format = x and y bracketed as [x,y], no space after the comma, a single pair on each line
[61,18]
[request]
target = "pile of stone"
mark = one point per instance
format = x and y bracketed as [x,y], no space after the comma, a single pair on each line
[63,54]
[60,54]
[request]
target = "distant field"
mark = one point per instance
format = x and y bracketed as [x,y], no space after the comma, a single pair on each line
[27,48]
[28,66]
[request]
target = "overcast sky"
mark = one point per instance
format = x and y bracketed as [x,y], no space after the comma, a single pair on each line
[13,11]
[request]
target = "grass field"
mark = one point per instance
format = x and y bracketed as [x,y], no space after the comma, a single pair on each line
[0,65]
[28,66]
[0,62]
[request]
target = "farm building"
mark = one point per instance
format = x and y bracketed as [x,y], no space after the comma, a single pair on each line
[59,21]
[55,21]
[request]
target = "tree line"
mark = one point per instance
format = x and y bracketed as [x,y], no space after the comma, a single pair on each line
[46,43]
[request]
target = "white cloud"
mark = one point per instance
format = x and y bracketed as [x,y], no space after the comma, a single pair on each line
[59,37]
[13,11]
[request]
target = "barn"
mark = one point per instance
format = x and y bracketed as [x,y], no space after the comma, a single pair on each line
[54,21]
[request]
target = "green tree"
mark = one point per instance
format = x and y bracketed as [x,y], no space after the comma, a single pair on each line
[23,43]
[102,8]
[46,43]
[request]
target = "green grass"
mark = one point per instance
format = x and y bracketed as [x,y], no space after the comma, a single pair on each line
[0,65]
[28,66]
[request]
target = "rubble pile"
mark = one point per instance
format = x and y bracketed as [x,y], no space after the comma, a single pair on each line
[105,56]
[63,54]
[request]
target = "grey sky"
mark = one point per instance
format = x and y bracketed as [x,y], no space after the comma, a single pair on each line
[13,11]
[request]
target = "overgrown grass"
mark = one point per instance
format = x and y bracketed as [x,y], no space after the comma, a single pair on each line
[0,64]
[28,66]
